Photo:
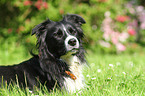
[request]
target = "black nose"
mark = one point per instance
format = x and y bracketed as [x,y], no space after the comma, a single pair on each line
[72,42]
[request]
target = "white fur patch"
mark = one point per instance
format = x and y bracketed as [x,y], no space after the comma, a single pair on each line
[76,69]
[69,47]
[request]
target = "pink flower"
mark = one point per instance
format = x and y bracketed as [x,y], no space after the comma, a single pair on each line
[131,31]
[142,26]
[120,47]
[114,40]
[106,36]
[122,18]
[61,11]
[115,37]
[45,5]
[10,30]
[134,23]
[40,4]
[102,0]
[104,43]
[123,36]
[27,3]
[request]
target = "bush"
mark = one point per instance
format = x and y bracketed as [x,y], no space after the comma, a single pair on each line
[126,28]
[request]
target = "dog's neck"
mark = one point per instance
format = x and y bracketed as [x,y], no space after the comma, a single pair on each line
[70,59]
[67,58]
[73,62]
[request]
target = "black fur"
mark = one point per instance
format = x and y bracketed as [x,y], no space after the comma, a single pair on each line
[47,67]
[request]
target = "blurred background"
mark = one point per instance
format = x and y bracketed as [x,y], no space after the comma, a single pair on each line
[113,26]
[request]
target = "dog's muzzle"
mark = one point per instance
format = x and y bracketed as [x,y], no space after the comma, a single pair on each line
[71,43]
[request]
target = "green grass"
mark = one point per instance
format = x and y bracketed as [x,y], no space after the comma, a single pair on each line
[106,75]
[120,75]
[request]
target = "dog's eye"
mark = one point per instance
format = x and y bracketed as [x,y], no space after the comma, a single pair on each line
[73,32]
[58,34]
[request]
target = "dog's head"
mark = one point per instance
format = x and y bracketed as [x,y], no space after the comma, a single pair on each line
[58,38]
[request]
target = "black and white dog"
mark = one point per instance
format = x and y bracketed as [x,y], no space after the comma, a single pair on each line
[60,59]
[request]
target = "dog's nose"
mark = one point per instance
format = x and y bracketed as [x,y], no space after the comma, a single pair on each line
[72,42]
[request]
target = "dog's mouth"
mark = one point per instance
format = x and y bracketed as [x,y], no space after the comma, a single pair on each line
[73,51]
[69,54]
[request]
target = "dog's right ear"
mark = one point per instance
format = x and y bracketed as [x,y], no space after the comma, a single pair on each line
[40,27]
[74,18]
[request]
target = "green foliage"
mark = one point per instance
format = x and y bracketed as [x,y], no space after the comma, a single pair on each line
[19,17]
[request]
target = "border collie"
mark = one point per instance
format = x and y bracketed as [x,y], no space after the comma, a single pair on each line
[60,59]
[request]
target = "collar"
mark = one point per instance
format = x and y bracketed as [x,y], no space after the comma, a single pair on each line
[71,75]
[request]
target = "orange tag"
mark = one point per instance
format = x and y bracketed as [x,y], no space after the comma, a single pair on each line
[71,75]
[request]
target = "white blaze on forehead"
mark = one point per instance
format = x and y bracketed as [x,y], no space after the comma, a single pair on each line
[69,37]
[65,29]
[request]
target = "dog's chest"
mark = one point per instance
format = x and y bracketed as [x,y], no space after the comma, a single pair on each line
[75,67]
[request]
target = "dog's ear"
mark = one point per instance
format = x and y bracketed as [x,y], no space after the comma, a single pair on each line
[40,27]
[73,18]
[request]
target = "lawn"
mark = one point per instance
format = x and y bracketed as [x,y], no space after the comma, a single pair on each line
[106,75]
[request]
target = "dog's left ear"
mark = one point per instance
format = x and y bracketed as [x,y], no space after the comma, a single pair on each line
[73,18]
[40,27]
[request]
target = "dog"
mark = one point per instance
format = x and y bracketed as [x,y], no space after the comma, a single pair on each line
[60,60]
